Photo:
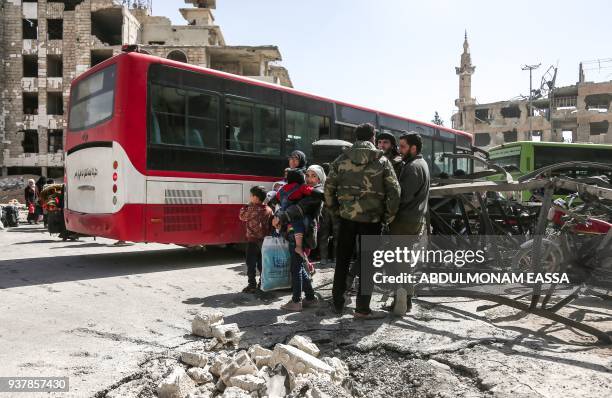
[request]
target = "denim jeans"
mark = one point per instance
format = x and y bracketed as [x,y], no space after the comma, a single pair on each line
[300,279]
[253,261]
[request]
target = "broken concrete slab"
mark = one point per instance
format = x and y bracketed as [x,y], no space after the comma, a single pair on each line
[200,375]
[241,364]
[197,359]
[298,361]
[249,383]
[202,323]
[341,370]
[176,385]
[218,363]
[227,334]
[305,344]
[261,356]
[235,392]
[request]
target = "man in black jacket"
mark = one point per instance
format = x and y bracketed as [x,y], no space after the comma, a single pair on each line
[410,218]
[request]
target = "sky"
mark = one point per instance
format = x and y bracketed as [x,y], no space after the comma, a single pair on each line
[399,56]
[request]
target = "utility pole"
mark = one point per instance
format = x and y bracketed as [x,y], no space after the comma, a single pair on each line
[530,68]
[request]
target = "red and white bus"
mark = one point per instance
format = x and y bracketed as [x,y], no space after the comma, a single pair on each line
[162,151]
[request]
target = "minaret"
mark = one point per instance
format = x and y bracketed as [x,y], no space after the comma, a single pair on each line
[465,72]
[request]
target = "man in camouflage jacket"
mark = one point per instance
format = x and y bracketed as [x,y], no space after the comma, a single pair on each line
[363,191]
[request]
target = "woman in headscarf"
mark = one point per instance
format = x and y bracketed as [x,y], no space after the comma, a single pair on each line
[30,200]
[297,160]
[309,206]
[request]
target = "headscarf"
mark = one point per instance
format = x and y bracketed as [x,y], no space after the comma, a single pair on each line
[301,156]
[318,170]
[31,183]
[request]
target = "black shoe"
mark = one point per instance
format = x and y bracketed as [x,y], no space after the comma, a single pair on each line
[250,289]
[337,307]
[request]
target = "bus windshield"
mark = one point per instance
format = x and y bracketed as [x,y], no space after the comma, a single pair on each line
[93,99]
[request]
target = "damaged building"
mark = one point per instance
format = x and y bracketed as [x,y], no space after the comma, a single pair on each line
[45,44]
[578,113]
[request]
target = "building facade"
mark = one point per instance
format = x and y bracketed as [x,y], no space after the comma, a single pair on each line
[45,44]
[578,113]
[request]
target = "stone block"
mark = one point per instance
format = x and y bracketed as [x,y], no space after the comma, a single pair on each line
[200,375]
[202,323]
[227,334]
[248,383]
[235,392]
[341,370]
[261,356]
[176,385]
[297,361]
[240,365]
[305,344]
[218,364]
[196,359]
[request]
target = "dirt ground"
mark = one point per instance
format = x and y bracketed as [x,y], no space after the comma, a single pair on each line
[113,318]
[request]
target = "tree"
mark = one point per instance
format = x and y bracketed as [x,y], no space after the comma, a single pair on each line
[437,120]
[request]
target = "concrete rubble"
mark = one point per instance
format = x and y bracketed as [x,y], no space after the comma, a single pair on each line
[288,370]
[305,344]
[176,385]
[204,321]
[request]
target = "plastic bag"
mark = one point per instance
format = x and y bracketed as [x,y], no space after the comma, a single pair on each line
[276,264]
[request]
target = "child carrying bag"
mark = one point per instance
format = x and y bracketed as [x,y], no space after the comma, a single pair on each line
[276,264]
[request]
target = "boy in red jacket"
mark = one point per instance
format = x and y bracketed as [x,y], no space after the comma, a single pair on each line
[258,219]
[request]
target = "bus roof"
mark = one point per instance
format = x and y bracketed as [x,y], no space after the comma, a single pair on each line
[259,83]
[550,144]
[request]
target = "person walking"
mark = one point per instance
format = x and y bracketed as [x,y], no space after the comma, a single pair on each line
[30,201]
[410,220]
[363,191]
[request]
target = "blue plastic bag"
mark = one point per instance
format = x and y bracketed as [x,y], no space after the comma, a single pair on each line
[276,264]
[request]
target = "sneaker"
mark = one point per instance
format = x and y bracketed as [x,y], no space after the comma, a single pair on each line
[310,303]
[292,306]
[250,289]
[369,315]
[401,302]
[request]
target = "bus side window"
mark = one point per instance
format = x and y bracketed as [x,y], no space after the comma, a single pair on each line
[303,129]
[252,127]
[184,117]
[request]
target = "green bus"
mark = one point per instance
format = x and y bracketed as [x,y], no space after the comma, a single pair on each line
[522,157]
[525,156]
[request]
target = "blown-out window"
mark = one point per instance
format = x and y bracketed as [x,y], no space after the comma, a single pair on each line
[251,127]
[184,117]
[303,129]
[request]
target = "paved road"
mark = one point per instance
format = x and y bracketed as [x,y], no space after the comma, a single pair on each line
[96,312]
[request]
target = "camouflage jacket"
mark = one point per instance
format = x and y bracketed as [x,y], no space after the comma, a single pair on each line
[362,185]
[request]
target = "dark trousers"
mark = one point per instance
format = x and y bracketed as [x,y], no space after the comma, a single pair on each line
[328,231]
[253,261]
[349,233]
[300,279]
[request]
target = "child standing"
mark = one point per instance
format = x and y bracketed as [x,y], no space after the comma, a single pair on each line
[258,219]
[291,193]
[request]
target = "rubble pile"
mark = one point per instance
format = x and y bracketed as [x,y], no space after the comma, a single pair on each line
[11,183]
[218,368]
